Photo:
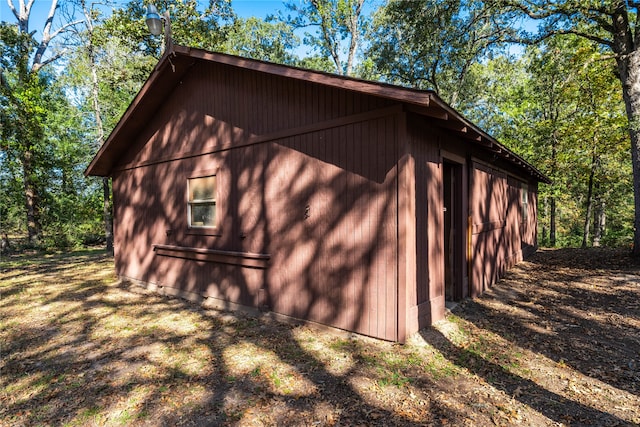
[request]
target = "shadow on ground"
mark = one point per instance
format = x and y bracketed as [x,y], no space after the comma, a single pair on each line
[555,342]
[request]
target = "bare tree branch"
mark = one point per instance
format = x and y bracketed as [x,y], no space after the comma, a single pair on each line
[47,26]
[44,63]
[47,36]
[64,27]
[22,15]
[548,34]
[28,7]
[13,9]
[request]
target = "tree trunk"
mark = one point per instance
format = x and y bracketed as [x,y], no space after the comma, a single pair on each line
[545,230]
[26,71]
[34,229]
[552,222]
[589,208]
[629,68]
[552,207]
[107,214]
[599,221]
[353,29]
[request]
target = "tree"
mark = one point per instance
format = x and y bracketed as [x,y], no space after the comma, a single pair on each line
[191,25]
[535,112]
[90,49]
[600,121]
[70,203]
[613,24]
[263,40]
[433,44]
[558,105]
[53,136]
[339,24]
[22,92]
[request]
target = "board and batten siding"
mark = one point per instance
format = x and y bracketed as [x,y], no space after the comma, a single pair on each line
[330,199]
[307,198]
[501,234]
[422,229]
[493,234]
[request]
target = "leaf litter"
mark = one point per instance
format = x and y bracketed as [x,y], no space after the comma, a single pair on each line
[556,342]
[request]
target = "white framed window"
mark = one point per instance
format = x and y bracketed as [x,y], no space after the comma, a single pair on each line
[201,204]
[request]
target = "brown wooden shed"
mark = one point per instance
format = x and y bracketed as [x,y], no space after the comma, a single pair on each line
[354,204]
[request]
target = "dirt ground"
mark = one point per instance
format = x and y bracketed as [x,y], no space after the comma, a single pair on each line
[555,343]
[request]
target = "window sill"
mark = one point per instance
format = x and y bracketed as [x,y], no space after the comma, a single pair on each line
[204,231]
[245,259]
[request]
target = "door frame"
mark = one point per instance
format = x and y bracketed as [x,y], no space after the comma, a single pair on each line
[457,257]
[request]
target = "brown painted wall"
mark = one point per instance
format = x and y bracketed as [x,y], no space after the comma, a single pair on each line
[307,177]
[329,204]
[501,236]
[489,200]
[426,295]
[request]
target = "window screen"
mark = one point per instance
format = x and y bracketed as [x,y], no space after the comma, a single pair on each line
[202,201]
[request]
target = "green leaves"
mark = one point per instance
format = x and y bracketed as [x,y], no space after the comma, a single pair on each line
[560,106]
[433,44]
[191,25]
[265,40]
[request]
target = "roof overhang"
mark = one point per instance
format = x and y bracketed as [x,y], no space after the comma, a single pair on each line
[179,59]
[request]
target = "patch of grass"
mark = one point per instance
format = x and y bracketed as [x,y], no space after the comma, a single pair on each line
[92,414]
[393,378]
[125,417]
[244,324]
[394,360]
[392,368]
[413,359]
[275,378]
[341,345]
[478,346]
[438,367]
[292,351]
[44,381]
[368,359]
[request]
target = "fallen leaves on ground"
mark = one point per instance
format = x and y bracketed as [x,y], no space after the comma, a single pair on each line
[556,342]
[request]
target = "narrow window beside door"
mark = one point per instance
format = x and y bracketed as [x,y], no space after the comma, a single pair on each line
[201,205]
[525,201]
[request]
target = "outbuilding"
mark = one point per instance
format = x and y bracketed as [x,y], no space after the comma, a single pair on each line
[354,204]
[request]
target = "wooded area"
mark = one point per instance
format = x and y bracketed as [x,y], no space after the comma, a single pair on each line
[555,81]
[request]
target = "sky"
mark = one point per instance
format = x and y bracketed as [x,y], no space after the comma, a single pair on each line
[259,8]
[244,8]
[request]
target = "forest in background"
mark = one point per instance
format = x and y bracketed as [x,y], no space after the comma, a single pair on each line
[542,77]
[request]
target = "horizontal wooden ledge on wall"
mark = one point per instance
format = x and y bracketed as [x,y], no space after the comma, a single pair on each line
[488,226]
[245,259]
